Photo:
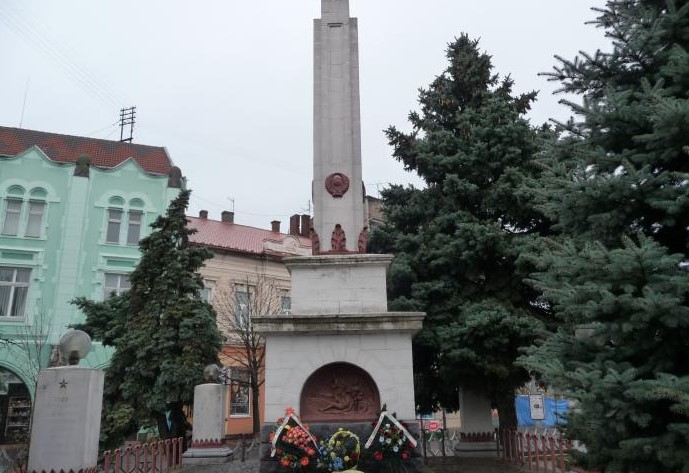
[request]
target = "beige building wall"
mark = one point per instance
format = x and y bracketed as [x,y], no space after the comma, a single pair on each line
[223,275]
[227,269]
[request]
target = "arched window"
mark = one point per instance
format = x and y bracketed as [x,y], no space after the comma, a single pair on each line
[136,213]
[13,210]
[112,234]
[34,223]
[121,213]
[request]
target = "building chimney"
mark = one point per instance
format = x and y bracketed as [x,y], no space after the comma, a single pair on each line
[294,225]
[227,216]
[305,225]
[275,226]
[203,214]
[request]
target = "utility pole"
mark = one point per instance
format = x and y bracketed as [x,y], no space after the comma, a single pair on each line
[127,117]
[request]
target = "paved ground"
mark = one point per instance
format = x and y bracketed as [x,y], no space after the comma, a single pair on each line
[437,465]
[470,465]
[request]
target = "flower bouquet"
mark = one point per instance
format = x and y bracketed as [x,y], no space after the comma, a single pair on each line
[390,441]
[292,442]
[341,452]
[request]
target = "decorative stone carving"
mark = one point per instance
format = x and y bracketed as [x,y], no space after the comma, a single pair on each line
[339,392]
[56,357]
[338,242]
[315,241]
[208,443]
[363,240]
[174,179]
[337,184]
[82,167]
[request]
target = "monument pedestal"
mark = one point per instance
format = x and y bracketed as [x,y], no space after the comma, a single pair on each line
[208,435]
[476,425]
[338,368]
[66,419]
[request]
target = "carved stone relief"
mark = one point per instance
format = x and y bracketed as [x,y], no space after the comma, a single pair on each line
[339,392]
[363,240]
[338,241]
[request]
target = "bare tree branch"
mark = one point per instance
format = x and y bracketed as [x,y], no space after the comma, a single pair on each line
[236,304]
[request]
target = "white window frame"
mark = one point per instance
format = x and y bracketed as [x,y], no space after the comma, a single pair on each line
[237,387]
[285,302]
[14,285]
[38,218]
[131,224]
[16,213]
[206,293]
[114,221]
[119,288]
[242,312]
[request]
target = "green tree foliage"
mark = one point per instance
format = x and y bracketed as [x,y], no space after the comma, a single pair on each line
[617,278]
[163,333]
[457,240]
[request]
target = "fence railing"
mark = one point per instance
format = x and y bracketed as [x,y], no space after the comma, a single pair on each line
[12,458]
[154,457]
[450,442]
[537,451]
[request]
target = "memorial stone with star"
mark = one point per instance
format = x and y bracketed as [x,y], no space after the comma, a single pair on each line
[66,419]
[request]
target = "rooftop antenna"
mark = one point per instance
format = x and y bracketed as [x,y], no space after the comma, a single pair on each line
[26,92]
[127,116]
[231,199]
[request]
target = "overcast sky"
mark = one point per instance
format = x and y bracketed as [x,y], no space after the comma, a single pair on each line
[226,85]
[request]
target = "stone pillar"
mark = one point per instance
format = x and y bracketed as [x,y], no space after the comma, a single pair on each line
[476,425]
[208,445]
[475,412]
[337,178]
[66,419]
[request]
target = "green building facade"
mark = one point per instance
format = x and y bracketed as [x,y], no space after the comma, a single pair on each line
[72,211]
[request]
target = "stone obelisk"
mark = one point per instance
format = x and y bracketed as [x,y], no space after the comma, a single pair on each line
[338,194]
[340,355]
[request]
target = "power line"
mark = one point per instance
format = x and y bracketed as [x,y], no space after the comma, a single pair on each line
[224,207]
[102,129]
[51,48]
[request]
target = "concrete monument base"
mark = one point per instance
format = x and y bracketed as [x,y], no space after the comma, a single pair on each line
[477,449]
[208,435]
[66,421]
[475,412]
[207,456]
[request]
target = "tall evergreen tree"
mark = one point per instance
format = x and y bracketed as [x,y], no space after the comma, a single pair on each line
[617,279]
[457,240]
[162,332]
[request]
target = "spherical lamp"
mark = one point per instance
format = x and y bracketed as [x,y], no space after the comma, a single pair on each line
[75,345]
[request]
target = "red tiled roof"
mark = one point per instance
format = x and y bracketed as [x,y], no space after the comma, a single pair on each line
[67,149]
[240,238]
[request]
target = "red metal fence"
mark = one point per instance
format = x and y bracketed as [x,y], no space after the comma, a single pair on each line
[544,451]
[155,457]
